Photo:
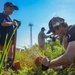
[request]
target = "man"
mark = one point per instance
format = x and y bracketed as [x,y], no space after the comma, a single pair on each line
[7,25]
[41,39]
[58,26]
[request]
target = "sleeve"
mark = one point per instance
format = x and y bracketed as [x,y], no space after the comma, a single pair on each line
[71,34]
[2,18]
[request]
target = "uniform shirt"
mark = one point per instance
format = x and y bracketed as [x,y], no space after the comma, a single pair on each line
[41,38]
[5,29]
[71,33]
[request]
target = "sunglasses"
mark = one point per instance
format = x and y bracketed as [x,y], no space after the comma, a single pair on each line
[54,29]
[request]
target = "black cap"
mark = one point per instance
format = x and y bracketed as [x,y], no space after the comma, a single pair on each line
[9,4]
[43,28]
[55,21]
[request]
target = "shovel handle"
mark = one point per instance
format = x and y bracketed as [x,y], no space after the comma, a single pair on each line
[18,23]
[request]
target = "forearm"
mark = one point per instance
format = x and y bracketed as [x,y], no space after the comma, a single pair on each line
[62,60]
[46,36]
[67,58]
[7,23]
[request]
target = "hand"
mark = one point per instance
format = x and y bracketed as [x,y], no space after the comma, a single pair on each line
[45,61]
[44,68]
[18,22]
[42,61]
[13,22]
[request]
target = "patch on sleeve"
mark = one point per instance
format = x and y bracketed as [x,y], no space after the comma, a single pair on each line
[69,36]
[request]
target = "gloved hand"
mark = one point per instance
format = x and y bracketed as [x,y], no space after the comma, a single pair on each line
[45,64]
[44,61]
[44,68]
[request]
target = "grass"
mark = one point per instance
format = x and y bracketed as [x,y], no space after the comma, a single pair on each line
[6,49]
[27,60]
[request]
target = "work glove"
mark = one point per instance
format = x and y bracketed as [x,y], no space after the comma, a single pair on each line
[42,61]
[45,63]
[44,68]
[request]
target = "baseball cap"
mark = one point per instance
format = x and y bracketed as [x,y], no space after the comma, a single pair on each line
[55,21]
[43,28]
[9,4]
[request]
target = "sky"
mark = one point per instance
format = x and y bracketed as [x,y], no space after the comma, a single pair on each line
[39,13]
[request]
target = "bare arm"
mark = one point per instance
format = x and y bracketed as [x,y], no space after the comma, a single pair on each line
[8,23]
[46,36]
[66,59]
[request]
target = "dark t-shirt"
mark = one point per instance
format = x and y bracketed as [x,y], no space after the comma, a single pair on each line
[71,33]
[5,29]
